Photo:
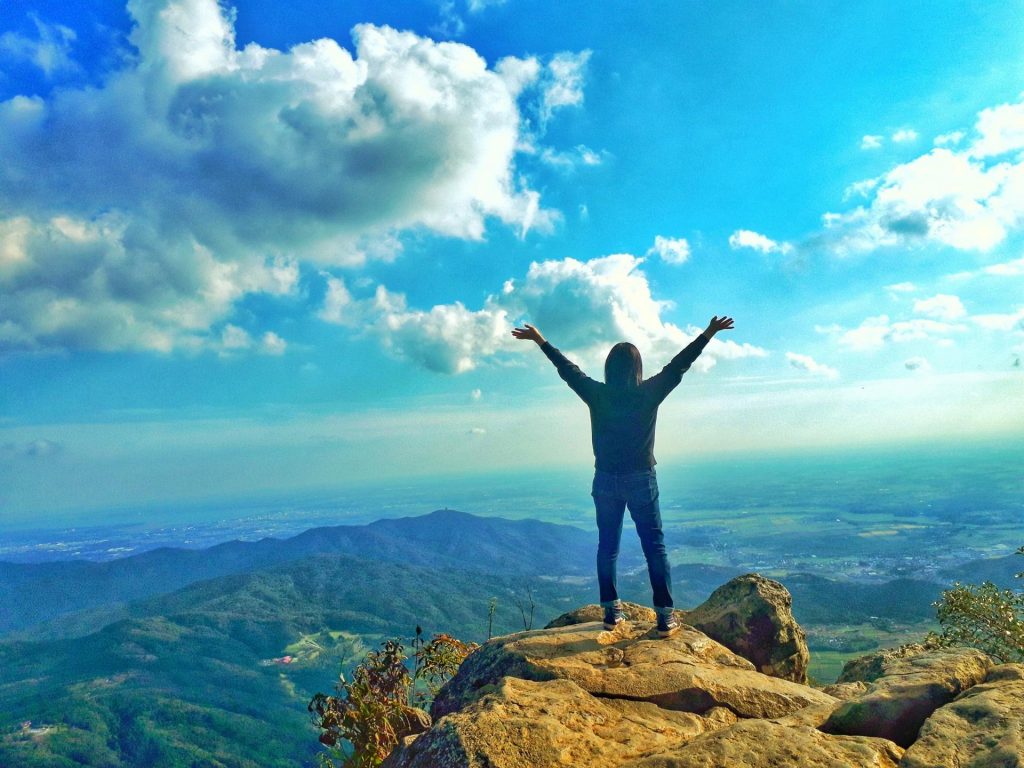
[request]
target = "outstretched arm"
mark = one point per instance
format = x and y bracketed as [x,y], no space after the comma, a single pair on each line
[670,376]
[577,380]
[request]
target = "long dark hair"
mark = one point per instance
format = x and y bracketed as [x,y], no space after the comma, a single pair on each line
[623,367]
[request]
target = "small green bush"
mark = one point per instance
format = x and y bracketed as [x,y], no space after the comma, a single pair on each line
[983,616]
[363,723]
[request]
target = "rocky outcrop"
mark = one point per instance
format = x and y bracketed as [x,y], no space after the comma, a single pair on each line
[687,672]
[753,616]
[520,723]
[575,694]
[763,743]
[909,686]
[982,727]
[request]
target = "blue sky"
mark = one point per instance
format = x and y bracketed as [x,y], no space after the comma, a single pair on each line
[269,246]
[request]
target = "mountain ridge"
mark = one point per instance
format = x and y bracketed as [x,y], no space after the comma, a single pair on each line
[34,593]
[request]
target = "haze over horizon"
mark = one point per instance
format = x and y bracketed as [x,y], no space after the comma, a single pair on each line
[261,247]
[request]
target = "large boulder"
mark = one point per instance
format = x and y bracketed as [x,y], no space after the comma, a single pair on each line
[982,727]
[904,689]
[686,672]
[753,616]
[763,743]
[555,723]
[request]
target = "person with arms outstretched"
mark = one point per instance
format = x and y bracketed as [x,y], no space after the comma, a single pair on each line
[623,414]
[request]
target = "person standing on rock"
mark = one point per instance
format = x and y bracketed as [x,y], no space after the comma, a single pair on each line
[623,413]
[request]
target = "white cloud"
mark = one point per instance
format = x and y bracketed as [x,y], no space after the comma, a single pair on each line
[448,338]
[904,135]
[272,344]
[476,6]
[905,287]
[562,82]
[450,23]
[254,159]
[50,51]
[476,395]
[942,197]
[336,301]
[953,137]
[745,238]
[942,306]
[871,141]
[917,364]
[1013,268]
[235,338]
[875,332]
[477,431]
[581,155]
[1006,321]
[581,306]
[671,250]
[1000,130]
[809,364]
[861,188]
[965,196]
[111,283]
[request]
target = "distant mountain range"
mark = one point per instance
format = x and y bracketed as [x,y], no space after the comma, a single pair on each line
[220,672]
[41,592]
[208,657]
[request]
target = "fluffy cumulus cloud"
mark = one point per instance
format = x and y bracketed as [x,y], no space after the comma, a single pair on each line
[871,141]
[582,306]
[966,193]
[671,250]
[745,238]
[811,366]
[448,338]
[136,215]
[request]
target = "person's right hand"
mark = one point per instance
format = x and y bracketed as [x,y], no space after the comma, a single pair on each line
[528,333]
[717,324]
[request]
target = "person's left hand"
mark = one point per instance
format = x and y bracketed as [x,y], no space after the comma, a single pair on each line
[717,324]
[528,333]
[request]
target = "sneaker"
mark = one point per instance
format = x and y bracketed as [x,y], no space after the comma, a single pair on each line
[613,616]
[667,624]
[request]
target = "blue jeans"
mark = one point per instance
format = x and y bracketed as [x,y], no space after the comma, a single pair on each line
[639,491]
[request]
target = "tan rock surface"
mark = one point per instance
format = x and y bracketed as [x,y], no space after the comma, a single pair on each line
[767,744]
[594,612]
[687,672]
[752,616]
[521,723]
[846,690]
[912,686]
[871,666]
[983,727]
